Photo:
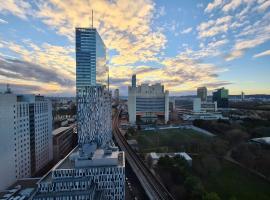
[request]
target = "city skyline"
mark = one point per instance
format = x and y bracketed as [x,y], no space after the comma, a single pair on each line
[183,45]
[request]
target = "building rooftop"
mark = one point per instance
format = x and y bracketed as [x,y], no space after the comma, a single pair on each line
[20,190]
[60,130]
[99,158]
[263,140]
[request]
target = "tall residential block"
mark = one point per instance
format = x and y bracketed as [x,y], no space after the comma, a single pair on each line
[221,96]
[202,93]
[25,136]
[95,169]
[148,103]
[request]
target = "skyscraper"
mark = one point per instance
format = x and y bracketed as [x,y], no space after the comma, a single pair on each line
[96,168]
[221,96]
[133,81]
[25,136]
[91,66]
[202,93]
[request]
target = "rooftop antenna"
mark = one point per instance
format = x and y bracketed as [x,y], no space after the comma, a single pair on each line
[92,18]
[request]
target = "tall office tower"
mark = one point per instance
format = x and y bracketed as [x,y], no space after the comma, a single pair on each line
[25,136]
[91,66]
[116,95]
[96,168]
[242,96]
[202,93]
[221,96]
[133,81]
[148,103]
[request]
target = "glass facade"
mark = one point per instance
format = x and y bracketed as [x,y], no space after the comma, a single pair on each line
[91,66]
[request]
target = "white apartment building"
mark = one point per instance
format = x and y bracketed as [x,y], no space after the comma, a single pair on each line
[25,136]
[148,103]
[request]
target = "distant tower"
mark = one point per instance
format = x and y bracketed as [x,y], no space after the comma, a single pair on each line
[242,96]
[8,90]
[202,93]
[133,81]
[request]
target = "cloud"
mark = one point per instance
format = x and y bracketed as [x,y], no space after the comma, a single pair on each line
[214,27]
[215,4]
[187,30]
[264,6]
[128,33]
[18,69]
[265,53]
[20,8]
[2,21]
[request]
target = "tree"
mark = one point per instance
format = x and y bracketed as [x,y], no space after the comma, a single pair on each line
[211,196]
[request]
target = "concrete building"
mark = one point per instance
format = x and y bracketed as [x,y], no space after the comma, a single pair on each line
[221,96]
[202,93]
[96,168]
[25,136]
[148,103]
[64,140]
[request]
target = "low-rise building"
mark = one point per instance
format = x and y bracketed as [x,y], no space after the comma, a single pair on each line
[154,157]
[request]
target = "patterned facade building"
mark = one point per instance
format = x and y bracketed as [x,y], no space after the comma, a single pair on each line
[96,168]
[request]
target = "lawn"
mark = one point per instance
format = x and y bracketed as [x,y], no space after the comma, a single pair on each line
[168,140]
[233,181]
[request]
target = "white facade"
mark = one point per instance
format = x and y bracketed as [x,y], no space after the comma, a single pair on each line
[25,139]
[148,102]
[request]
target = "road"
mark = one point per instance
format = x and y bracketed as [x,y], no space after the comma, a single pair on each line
[152,186]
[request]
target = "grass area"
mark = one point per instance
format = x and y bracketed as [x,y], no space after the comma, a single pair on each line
[233,181]
[167,140]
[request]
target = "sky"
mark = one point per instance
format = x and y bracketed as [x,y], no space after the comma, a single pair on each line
[183,44]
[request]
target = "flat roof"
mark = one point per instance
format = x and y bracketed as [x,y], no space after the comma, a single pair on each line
[61,129]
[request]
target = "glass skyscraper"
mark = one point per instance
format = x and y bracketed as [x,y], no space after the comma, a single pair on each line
[91,66]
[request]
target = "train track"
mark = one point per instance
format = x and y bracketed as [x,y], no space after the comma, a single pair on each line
[152,186]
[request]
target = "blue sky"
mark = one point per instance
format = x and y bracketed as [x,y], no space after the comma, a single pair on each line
[182,44]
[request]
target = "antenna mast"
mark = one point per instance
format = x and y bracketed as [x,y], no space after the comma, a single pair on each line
[92,18]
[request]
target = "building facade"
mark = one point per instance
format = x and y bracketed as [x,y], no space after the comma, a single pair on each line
[96,168]
[148,103]
[221,96]
[91,66]
[116,95]
[64,140]
[202,93]
[26,136]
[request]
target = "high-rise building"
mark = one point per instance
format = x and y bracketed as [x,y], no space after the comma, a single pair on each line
[25,136]
[242,96]
[96,168]
[91,66]
[148,103]
[116,94]
[221,96]
[202,93]
[133,81]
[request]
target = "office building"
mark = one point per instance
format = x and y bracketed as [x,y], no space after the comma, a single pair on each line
[91,66]
[95,169]
[64,140]
[26,136]
[133,81]
[242,96]
[116,95]
[148,103]
[221,96]
[202,93]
